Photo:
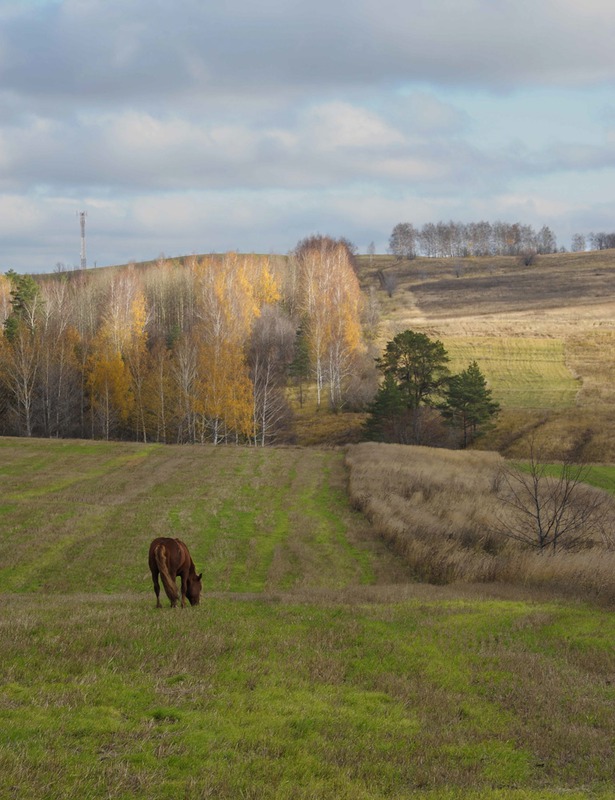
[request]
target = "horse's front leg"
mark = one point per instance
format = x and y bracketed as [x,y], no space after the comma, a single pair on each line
[184,583]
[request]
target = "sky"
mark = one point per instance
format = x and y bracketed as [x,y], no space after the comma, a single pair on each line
[197,126]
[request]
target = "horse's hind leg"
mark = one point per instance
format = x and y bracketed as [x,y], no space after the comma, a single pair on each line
[157,590]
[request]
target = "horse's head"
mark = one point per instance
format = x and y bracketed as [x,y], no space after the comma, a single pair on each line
[193,590]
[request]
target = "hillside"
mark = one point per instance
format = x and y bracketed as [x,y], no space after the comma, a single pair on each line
[543,335]
[126,352]
[313,666]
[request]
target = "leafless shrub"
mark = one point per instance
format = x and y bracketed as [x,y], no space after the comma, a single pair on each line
[528,258]
[544,510]
[387,281]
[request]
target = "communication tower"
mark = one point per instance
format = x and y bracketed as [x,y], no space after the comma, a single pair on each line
[82,215]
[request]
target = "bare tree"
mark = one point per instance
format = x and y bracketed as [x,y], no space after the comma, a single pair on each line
[371,252]
[550,508]
[387,281]
[270,352]
[20,366]
[578,243]
[402,242]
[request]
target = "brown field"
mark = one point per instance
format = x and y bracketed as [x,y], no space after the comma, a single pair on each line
[568,298]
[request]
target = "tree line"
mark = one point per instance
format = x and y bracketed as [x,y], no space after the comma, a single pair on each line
[460,239]
[199,350]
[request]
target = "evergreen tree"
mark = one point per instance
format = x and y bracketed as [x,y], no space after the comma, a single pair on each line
[418,366]
[25,297]
[414,369]
[299,367]
[386,413]
[468,403]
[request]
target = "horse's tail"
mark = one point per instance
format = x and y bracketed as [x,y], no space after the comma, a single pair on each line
[170,587]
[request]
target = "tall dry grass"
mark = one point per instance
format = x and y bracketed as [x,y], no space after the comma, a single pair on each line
[439,511]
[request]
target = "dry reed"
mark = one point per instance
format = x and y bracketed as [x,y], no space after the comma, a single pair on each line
[438,510]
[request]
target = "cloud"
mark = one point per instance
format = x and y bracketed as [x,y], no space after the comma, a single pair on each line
[110,51]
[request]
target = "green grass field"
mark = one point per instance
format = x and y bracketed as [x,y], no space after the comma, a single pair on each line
[521,372]
[312,668]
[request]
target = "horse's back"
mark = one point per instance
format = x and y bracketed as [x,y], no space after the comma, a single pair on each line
[176,551]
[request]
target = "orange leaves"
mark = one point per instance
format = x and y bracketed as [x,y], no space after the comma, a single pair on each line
[108,380]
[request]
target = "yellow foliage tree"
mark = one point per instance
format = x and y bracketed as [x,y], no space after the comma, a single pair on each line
[5,299]
[225,393]
[230,293]
[136,355]
[108,380]
[331,303]
[158,394]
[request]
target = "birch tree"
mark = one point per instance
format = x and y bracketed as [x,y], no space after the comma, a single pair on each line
[108,381]
[331,307]
[271,351]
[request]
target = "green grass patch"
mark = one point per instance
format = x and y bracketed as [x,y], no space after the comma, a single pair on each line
[601,476]
[268,699]
[253,520]
[521,372]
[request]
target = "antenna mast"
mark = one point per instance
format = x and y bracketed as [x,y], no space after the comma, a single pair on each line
[82,215]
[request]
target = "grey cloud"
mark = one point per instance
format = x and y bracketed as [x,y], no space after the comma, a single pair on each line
[112,51]
[321,149]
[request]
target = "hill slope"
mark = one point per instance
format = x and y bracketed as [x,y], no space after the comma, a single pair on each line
[254,519]
[305,672]
[544,336]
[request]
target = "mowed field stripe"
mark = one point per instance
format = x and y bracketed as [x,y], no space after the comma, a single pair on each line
[254,520]
[521,372]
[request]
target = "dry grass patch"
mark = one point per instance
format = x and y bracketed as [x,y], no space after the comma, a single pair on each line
[439,510]
[592,355]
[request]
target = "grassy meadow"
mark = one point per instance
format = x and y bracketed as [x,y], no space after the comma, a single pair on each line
[522,372]
[314,667]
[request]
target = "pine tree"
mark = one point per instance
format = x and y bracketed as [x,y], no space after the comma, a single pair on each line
[418,366]
[386,413]
[415,372]
[468,403]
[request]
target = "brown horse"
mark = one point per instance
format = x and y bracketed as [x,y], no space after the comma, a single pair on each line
[169,558]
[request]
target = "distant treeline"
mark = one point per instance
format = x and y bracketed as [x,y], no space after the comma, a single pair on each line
[463,239]
[601,241]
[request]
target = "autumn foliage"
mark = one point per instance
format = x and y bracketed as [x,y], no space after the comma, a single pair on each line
[191,350]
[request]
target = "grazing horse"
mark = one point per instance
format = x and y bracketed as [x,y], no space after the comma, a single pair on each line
[169,558]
